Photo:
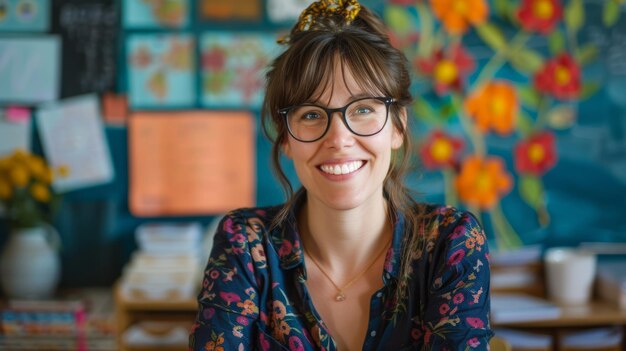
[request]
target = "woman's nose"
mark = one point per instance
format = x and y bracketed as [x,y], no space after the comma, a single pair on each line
[338,134]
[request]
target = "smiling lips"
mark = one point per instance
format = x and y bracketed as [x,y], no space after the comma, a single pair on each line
[343,168]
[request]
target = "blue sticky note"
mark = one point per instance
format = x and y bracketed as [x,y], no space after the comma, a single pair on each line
[30,69]
[138,14]
[161,70]
[24,15]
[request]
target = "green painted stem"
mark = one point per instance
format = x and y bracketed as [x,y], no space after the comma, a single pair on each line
[503,229]
[450,190]
[499,58]
[476,137]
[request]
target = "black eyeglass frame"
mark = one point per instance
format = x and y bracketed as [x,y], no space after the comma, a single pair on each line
[329,111]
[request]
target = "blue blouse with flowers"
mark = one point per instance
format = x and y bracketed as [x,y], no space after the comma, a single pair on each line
[254,296]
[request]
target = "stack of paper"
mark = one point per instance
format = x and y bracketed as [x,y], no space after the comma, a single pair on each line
[611,282]
[592,339]
[168,263]
[506,308]
[523,340]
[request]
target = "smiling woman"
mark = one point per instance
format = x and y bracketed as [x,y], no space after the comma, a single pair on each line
[351,261]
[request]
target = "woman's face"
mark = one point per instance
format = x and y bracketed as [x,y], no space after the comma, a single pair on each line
[365,159]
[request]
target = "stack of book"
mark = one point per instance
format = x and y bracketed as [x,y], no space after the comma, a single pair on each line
[518,270]
[51,325]
[167,264]
[611,282]
[519,307]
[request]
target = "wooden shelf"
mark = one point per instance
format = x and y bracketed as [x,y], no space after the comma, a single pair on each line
[131,311]
[596,313]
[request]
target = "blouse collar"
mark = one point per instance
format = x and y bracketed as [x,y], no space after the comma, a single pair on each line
[286,239]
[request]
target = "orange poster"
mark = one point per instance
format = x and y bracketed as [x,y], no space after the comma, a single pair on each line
[190,163]
[229,10]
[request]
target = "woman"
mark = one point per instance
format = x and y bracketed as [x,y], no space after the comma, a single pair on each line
[351,261]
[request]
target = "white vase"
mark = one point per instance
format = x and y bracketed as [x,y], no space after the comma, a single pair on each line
[30,265]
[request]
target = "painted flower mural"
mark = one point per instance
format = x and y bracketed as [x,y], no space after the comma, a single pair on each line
[478,80]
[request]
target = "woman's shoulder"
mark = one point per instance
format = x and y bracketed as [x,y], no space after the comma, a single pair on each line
[251,216]
[445,216]
[450,226]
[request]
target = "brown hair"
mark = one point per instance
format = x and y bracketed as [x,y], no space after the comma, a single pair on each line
[363,47]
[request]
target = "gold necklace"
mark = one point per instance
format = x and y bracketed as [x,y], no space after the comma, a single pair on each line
[341,296]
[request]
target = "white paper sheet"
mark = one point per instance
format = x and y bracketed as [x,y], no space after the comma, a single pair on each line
[13,135]
[72,135]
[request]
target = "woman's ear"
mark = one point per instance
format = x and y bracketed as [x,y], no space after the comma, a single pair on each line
[397,139]
[286,149]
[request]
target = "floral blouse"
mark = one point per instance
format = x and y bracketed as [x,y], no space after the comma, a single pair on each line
[254,295]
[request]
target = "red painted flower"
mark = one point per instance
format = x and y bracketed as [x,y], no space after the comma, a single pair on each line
[441,150]
[536,155]
[539,15]
[448,68]
[560,77]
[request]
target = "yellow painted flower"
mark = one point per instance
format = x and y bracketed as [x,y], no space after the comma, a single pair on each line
[457,15]
[494,106]
[482,182]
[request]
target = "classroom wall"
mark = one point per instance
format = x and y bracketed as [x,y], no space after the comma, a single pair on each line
[586,191]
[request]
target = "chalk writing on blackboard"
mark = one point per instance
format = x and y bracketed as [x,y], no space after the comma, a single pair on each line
[89,29]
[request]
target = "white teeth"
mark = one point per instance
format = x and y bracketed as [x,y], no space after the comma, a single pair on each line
[345,168]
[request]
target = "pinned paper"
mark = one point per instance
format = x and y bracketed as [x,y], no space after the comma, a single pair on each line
[29,67]
[190,163]
[14,135]
[155,14]
[286,10]
[161,70]
[233,68]
[17,114]
[231,10]
[72,135]
[24,15]
[114,108]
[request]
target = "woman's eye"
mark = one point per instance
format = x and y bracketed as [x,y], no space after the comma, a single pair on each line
[362,110]
[311,116]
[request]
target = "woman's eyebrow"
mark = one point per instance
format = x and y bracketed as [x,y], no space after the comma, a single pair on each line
[352,98]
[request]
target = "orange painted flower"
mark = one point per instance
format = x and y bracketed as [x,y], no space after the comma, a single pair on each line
[482,182]
[448,68]
[457,15]
[539,15]
[536,155]
[560,77]
[494,106]
[441,150]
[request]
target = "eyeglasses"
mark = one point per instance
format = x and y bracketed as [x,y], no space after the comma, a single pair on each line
[363,117]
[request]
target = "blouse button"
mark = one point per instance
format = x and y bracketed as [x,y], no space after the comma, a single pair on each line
[379,294]
[373,333]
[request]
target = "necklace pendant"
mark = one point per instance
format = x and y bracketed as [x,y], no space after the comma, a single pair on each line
[340,297]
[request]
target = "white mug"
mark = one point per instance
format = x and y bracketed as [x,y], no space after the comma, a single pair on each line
[570,273]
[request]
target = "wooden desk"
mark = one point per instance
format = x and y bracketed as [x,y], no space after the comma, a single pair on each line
[597,313]
[594,314]
[130,311]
